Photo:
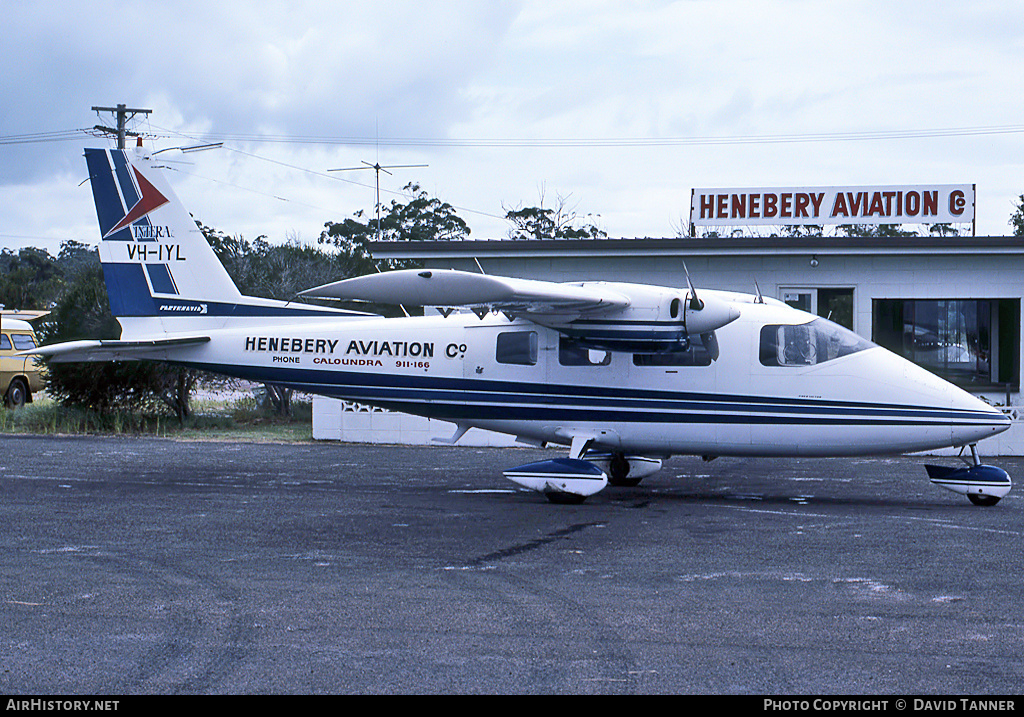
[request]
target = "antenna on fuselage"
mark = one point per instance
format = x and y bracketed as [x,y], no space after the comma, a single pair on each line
[758,299]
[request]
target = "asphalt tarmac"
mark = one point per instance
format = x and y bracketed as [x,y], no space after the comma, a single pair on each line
[147,566]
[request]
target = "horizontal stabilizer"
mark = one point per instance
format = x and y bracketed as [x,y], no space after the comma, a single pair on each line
[445,287]
[110,350]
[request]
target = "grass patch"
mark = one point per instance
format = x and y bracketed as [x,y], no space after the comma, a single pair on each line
[241,419]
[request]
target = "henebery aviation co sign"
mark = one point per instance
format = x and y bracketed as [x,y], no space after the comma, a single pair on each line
[899,204]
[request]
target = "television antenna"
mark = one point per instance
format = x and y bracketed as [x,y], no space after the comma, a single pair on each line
[377,168]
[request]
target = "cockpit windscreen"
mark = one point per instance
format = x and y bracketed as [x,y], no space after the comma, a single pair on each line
[808,344]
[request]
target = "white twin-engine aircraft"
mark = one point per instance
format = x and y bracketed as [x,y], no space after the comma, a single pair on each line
[623,374]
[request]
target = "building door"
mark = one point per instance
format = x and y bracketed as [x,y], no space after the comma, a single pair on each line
[831,303]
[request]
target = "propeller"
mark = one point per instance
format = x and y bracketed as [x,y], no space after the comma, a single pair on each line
[704,317]
[695,303]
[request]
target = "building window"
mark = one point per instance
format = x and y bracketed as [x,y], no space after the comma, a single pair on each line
[517,347]
[970,342]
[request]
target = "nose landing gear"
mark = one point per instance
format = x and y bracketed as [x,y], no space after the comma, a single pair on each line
[983,485]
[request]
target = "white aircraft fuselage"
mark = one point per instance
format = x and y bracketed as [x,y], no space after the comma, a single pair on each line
[867,402]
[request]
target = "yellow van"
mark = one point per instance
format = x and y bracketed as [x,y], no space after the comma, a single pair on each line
[20,376]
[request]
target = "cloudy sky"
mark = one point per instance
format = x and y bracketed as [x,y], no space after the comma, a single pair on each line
[617,108]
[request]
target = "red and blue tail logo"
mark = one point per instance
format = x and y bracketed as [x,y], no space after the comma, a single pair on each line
[151,199]
[123,196]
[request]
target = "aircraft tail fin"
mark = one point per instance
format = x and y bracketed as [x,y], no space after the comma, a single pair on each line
[156,261]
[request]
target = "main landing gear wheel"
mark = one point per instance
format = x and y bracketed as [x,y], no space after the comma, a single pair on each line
[618,472]
[984,500]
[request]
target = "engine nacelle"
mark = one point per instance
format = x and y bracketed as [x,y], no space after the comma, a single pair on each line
[657,319]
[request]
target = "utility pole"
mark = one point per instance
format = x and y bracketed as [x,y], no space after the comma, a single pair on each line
[122,112]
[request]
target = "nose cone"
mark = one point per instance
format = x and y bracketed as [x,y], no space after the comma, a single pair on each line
[970,418]
[975,420]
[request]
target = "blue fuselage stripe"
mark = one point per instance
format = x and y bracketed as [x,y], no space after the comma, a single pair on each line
[456,398]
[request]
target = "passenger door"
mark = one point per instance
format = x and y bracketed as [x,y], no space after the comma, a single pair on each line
[10,366]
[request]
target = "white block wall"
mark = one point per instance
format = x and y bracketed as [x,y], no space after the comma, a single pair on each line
[335,420]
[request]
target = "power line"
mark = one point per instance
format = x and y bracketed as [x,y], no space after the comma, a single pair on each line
[123,114]
[590,142]
[869,135]
[566,142]
[332,177]
[35,137]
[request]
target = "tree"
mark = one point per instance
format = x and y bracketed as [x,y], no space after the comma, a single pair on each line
[422,218]
[538,223]
[802,230]
[943,229]
[875,230]
[1017,218]
[74,258]
[28,279]
[281,271]
[73,288]
[83,312]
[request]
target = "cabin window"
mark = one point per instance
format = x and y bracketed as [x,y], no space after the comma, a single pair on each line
[5,343]
[808,344]
[695,354]
[517,347]
[575,353]
[970,342]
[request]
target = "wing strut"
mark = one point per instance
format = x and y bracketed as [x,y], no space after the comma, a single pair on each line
[579,446]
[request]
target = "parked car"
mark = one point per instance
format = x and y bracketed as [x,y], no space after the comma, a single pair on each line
[20,376]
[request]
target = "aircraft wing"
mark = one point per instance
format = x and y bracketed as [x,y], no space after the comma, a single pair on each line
[110,350]
[445,287]
[609,316]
